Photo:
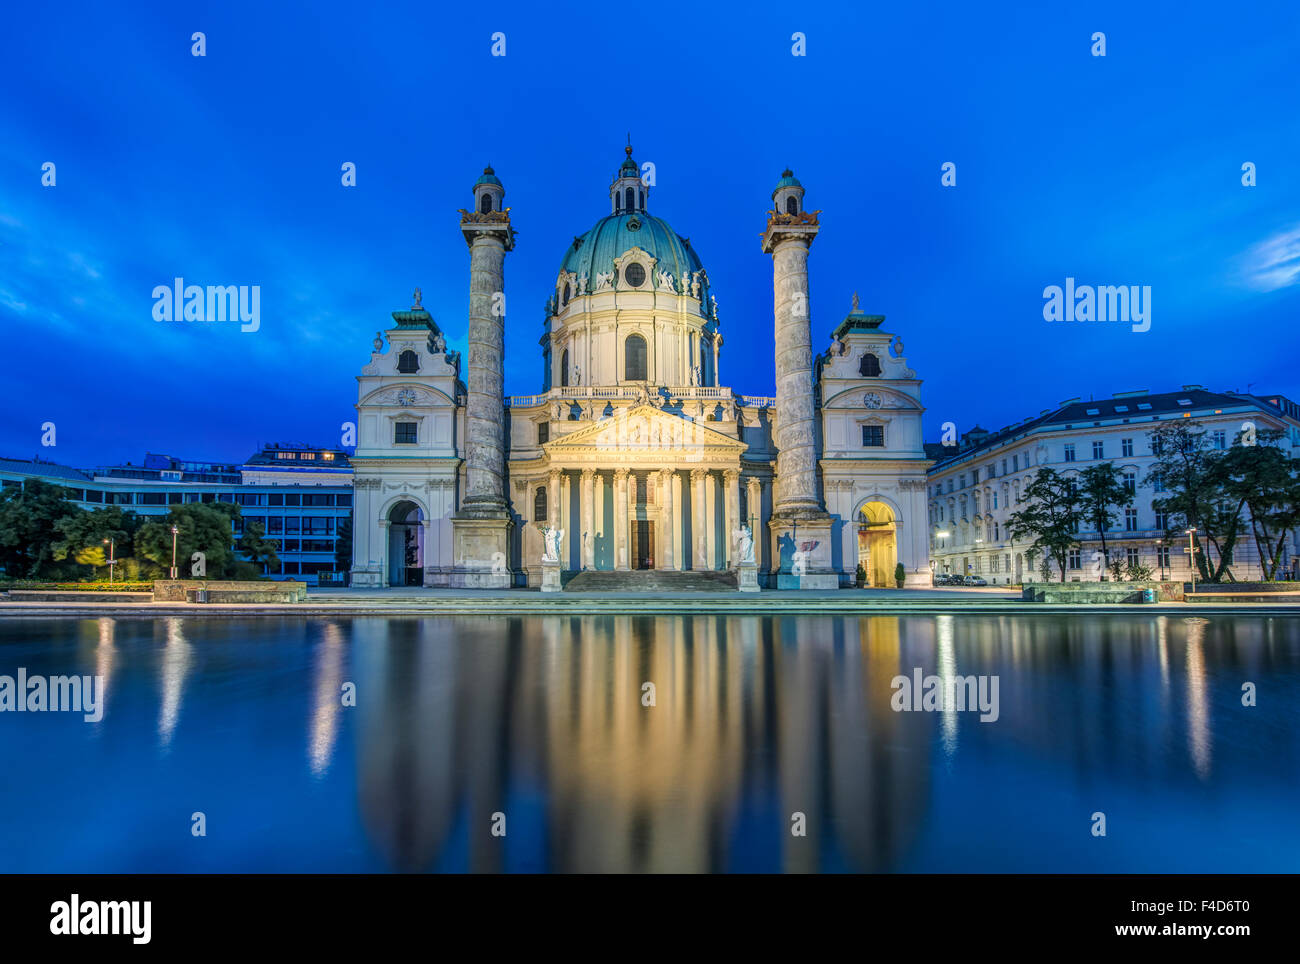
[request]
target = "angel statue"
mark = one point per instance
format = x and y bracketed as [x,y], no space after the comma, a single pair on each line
[551,537]
[744,539]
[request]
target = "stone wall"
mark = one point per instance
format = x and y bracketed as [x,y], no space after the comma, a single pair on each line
[167,590]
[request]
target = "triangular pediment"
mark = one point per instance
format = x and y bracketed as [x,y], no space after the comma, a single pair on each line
[645,435]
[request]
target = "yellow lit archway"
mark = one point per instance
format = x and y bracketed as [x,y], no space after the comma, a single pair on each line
[877,543]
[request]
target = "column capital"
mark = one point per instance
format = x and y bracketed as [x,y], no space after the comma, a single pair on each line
[588,475]
[698,475]
[621,474]
[492,225]
[731,476]
[802,227]
[554,476]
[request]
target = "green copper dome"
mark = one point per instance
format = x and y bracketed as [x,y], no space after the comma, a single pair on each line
[489,177]
[787,180]
[612,236]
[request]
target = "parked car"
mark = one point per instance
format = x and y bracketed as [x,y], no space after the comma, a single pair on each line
[976,581]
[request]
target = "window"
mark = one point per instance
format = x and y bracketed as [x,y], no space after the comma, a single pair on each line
[485,203]
[344,501]
[1130,482]
[1004,466]
[791,205]
[869,367]
[408,362]
[564,369]
[292,498]
[247,498]
[1015,462]
[1098,450]
[565,297]
[543,432]
[317,499]
[873,436]
[1069,452]
[153,498]
[1157,482]
[1162,556]
[275,498]
[292,525]
[629,200]
[1131,555]
[539,504]
[1072,560]
[1126,448]
[1162,520]
[634,359]
[1130,519]
[1220,440]
[995,500]
[1157,446]
[404,433]
[275,525]
[634,274]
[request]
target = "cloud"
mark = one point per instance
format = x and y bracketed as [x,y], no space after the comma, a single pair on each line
[1275,262]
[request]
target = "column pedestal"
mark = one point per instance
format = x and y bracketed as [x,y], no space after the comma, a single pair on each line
[748,576]
[798,567]
[481,550]
[551,576]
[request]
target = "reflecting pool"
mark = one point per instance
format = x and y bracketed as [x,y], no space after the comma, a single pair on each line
[762,744]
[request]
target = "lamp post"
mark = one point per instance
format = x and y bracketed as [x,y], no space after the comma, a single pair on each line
[110,544]
[1160,553]
[175,530]
[1191,554]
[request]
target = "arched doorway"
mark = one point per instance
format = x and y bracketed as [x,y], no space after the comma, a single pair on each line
[405,545]
[877,543]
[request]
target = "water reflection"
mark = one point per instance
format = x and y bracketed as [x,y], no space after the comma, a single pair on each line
[747,726]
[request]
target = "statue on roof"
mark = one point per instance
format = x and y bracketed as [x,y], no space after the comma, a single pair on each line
[417,306]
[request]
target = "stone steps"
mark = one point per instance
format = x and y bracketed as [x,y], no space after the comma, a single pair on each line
[652,580]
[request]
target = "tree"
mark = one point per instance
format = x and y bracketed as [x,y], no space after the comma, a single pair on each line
[259,549]
[1267,480]
[205,527]
[1194,476]
[1049,517]
[343,546]
[28,520]
[82,535]
[1102,491]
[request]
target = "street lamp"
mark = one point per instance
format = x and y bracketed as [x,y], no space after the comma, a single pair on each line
[1191,554]
[110,544]
[175,530]
[1160,553]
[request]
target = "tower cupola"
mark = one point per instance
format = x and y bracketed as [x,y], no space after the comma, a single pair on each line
[787,198]
[488,192]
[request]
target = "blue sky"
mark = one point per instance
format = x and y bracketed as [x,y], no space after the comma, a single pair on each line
[225,169]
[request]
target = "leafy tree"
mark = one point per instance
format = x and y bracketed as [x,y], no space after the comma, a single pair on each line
[82,535]
[259,549]
[28,520]
[1101,493]
[1049,518]
[1195,479]
[1267,481]
[205,527]
[343,546]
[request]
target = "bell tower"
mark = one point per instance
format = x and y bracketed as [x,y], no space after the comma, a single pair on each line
[628,194]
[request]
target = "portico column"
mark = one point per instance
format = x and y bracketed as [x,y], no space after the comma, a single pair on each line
[621,560]
[699,550]
[651,488]
[553,499]
[680,555]
[566,523]
[732,518]
[598,515]
[667,514]
[711,521]
[587,529]
[717,343]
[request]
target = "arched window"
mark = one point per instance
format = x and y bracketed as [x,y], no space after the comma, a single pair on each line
[539,504]
[634,363]
[630,199]
[640,198]
[564,369]
[870,366]
[566,293]
[485,203]
[408,362]
[791,205]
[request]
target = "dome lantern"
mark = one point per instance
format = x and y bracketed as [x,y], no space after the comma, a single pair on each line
[628,193]
[787,197]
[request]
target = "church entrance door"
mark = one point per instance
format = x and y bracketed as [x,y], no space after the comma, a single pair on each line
[643,544]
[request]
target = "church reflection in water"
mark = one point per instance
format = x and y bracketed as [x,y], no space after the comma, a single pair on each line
[544,721]
[757,720]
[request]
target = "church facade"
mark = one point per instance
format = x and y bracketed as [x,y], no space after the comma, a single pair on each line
[634,456]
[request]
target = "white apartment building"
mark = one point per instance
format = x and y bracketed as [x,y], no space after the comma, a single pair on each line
[974,487]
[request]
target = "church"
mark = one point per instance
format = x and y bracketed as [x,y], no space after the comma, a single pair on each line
[634,465]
